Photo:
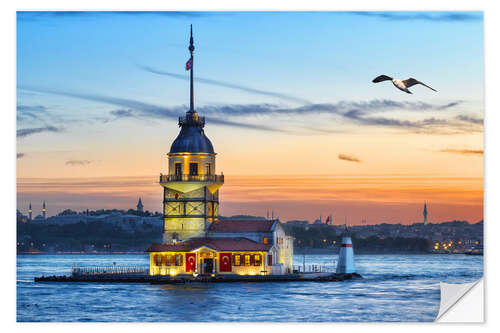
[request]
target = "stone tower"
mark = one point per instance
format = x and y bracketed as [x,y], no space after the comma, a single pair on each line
[44,210]
[191,187]
[30,213]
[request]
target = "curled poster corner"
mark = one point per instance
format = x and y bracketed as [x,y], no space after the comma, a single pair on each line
[461,302]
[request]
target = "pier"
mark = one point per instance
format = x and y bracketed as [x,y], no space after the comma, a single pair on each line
[138,274]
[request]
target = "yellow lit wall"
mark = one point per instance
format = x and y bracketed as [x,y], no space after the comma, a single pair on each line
[173,270]
[186,158]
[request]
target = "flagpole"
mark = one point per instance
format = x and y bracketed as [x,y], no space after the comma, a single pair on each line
[191,49]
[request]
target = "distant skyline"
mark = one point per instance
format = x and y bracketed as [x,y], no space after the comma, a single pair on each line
[291,110]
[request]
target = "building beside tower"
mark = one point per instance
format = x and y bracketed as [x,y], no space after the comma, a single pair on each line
[194,240]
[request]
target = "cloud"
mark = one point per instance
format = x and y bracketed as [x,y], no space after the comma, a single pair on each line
[148,111]
[340,108]
[360,113]
[463,151]
[41,15]
[122,113]
[470,119]
[228,85]
[31,112]
[34,130]
[20,155]
[349,158]
[78,162]
[420,16]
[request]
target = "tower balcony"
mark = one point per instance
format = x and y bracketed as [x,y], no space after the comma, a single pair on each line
[192,178]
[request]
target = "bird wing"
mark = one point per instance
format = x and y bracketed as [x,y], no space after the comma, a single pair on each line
[411,82]
[381,78]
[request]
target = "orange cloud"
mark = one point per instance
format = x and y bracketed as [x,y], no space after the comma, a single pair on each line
[463,151]
[349,158]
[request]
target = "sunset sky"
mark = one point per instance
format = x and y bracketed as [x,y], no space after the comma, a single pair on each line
[298,126]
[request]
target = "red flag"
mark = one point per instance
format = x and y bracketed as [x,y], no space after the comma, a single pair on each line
[327,220]
[189,63]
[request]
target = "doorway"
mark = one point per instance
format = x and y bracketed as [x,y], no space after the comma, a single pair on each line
[208,265]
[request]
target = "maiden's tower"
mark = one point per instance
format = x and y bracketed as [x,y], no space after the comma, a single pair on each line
[194,240]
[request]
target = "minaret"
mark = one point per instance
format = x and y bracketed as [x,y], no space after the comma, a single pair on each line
[425,213]
[44,210]
[191,187]
[30,212]
[140,207]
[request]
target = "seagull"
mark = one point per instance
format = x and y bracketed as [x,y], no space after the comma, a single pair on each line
[401,84]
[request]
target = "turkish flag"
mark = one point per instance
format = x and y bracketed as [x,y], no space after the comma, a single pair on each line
[190,262]
[189,63]
[225,260]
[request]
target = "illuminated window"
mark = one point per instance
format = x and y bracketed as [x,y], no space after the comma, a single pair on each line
[247,260]
[169,260]
[257,260]
[237,260]
[178,260]
[158,260]
[178,169]
[193,169]
[265,240]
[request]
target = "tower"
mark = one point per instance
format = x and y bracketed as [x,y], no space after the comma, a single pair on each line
[191,187]
[30,213]
[140,207]
[44,210]
[425,213]
[345,264]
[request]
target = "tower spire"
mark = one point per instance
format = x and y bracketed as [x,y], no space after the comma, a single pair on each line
[191,93]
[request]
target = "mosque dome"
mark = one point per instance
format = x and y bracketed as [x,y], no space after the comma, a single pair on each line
[192,138]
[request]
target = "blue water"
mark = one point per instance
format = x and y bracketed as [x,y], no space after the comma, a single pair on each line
[394,288]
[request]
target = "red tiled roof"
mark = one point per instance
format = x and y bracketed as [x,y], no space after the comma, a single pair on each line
[241,226]
[218,244]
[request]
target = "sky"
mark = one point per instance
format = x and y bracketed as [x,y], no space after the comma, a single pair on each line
[297,124]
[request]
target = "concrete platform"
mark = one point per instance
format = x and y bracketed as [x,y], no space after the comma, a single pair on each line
[136,278]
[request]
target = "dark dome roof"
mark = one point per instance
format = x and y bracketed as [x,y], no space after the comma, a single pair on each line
[192,138]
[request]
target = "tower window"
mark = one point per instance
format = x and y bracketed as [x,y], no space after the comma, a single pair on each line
[178,169]
[208,169]
[193,169]
[247,260]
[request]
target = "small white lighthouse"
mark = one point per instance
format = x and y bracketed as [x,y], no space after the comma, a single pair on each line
[345,264]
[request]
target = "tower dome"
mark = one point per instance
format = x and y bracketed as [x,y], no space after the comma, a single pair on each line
[192,138]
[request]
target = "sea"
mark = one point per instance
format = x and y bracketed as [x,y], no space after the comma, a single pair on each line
[394,288]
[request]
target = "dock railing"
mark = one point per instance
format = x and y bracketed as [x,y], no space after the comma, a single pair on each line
[109,270]
[315,268]
[191,178]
